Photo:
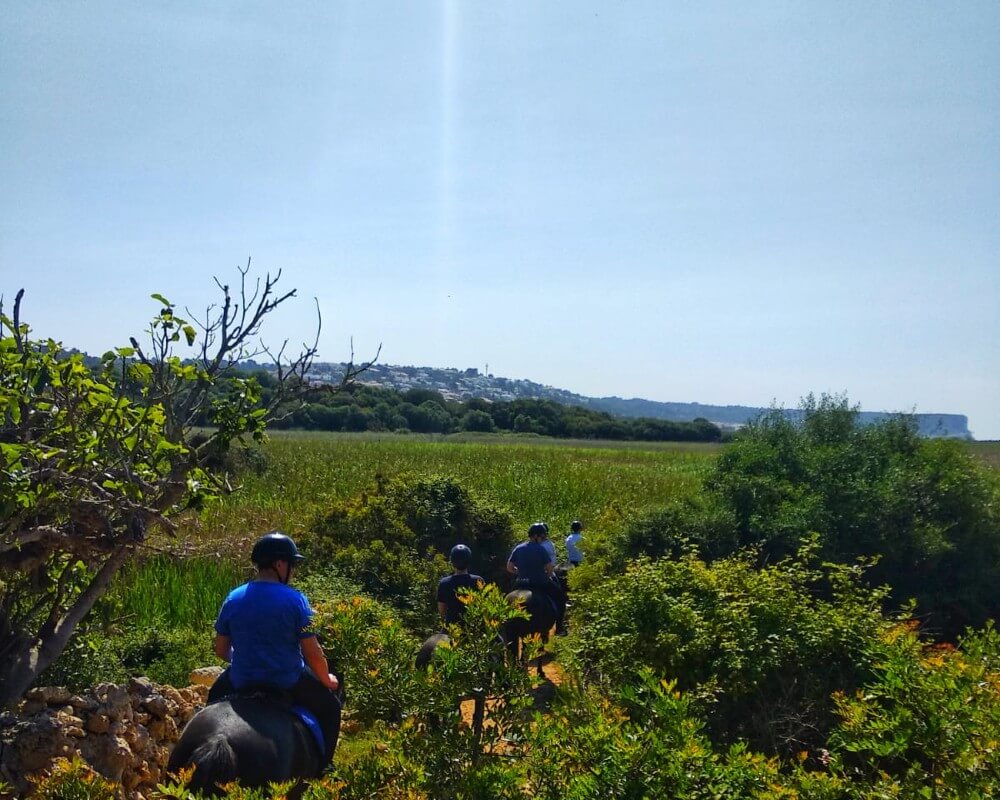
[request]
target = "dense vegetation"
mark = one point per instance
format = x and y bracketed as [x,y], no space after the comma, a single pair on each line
[732,636]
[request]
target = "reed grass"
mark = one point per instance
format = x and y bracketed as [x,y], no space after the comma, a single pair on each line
[170,592]
[600,483]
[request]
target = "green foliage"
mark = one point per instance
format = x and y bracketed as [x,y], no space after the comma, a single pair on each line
[155,620]
[72,779]
[92,460]
[169,591]
[368,408]
[760,648]
[373,653]
[394,539]
[446,757]
[478,421]
[642,741]
[930,718]
[693,522]
[927,509]
[98,655]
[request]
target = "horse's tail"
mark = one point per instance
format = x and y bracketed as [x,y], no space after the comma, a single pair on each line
[215,763]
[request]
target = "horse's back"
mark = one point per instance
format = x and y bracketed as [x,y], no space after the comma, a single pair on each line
[537,603]
[247,739]
[426,652]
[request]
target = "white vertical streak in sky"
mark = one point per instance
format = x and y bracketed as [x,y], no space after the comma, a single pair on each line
[446,155]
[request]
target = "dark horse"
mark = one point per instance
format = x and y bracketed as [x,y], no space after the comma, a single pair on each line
[253,739]
[542,618]
[426,651]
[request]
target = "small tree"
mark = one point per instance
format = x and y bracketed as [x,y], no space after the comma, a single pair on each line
[91,459]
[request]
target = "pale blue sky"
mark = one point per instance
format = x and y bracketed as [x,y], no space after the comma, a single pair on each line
[720,202]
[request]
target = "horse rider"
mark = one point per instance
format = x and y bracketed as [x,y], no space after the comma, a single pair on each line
[573,551]
[264,630]
[450,607]
[533,565]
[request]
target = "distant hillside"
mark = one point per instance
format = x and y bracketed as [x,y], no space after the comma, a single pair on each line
[462,384]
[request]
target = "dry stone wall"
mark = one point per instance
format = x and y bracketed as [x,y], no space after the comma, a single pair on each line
[123,732]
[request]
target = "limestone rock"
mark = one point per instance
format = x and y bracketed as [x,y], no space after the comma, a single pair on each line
[123,732]
[205,676]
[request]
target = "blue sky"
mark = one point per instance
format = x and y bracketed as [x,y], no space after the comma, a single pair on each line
[714,202]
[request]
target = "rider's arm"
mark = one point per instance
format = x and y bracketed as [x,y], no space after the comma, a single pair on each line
[315,659]
[512,568]
[442,609]
[550,567]
[223,647]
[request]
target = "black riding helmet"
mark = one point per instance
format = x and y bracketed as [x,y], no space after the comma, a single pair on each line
[538,529]
[460,556]
[576,526]
[275,546]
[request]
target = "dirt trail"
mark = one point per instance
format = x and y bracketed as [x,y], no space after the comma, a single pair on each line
[542,695]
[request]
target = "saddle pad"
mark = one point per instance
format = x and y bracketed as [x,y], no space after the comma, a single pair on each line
[310,721]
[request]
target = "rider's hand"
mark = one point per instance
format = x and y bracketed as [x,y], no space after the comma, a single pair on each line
[332,683]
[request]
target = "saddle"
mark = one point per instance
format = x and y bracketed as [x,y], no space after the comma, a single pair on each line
[282,698]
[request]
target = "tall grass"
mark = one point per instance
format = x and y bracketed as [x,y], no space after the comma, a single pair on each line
[171,592]
[557,482]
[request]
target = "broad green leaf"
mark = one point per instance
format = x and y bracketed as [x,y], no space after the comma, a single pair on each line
[161,298]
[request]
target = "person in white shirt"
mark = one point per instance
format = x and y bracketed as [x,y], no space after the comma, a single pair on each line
[573,550]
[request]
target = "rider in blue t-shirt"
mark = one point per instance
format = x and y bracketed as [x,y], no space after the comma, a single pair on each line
[531,563]
[449,606]
[264,631]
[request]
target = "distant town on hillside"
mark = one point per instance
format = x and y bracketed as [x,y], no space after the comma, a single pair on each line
[463,384]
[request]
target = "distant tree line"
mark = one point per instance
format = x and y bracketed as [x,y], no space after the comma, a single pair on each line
[360,407]
[372,408]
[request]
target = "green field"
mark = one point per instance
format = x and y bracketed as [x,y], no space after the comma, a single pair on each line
[556,480]
[533,478]
[989,452]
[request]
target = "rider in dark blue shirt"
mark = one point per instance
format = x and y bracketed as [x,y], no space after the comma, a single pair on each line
[531,562]
[449,606]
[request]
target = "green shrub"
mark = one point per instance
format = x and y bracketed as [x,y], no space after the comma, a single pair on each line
[926,508]
[644,740]
[930,718]
[696,521]
[759,648]
[163,655]
[393,541]
[373,653]
[72,779]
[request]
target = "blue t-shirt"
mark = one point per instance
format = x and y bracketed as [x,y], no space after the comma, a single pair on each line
[530,559]
[265,622]
[447,594]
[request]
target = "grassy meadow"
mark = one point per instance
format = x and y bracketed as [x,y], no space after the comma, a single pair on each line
[532,478]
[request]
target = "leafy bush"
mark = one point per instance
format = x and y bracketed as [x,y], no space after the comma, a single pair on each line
[645,740]
[926,508]
[372,652]
[72,779]
[696,521]
[163,655]
[394,539]
[759,648]
[930,718]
